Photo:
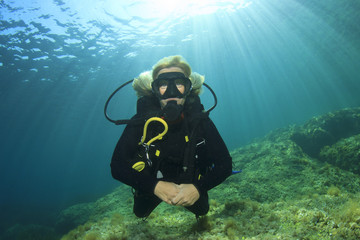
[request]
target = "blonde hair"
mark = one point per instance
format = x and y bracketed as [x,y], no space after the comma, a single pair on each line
[142,84]
[171,61]
[197,81]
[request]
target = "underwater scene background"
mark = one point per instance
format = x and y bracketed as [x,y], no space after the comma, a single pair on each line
[286,77]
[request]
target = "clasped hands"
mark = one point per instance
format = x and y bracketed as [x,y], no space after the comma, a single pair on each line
[177,194]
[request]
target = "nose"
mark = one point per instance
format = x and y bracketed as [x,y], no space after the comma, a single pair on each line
[172,90]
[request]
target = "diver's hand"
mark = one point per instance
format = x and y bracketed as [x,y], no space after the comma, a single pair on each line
[166,191]
[187,196]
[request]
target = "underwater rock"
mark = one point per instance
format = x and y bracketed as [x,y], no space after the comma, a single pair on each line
[326,130]
[81,213]
[73,216]
[344,154]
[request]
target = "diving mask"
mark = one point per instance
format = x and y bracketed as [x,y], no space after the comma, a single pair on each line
[170,81]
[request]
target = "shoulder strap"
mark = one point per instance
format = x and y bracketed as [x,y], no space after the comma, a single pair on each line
[188,162]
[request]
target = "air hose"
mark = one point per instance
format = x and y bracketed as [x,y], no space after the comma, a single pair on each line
[140,165]
[159,136]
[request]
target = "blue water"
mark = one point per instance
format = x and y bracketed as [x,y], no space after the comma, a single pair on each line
[271,64]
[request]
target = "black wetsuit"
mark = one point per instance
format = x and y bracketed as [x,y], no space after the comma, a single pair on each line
[211,161]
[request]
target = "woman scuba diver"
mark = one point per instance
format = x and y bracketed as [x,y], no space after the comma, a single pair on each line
[170,151]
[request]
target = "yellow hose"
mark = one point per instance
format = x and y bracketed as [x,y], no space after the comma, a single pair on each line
[158,137]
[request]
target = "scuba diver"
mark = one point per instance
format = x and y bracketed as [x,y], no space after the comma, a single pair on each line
[170,151]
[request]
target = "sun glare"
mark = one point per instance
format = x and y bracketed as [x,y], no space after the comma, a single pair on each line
[161,9]
[165,8]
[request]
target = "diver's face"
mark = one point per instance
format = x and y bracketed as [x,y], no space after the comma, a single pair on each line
[180,87]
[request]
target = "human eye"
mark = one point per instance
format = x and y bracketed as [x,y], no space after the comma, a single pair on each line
[163,83]
[179,83]
[164,87]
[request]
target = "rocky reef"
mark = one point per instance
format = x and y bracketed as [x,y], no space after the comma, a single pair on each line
[299,182]
[326,130]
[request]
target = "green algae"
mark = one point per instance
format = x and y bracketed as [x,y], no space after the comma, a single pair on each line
[345,154]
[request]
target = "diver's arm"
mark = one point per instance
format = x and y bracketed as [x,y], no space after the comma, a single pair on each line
[220,157]
[120,167]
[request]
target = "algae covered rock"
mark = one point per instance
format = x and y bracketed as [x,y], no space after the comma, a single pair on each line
[81,213]
[73,216]
[332,138]
[326,130]
[344,154]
